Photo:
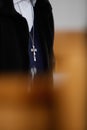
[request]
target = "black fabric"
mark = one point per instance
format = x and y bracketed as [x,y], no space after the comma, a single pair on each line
[44,16]
[14,39]
[14,36]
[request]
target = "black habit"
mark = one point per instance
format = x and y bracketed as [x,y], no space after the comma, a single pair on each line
[14,36]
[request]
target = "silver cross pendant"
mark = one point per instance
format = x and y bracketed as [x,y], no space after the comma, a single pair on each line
[34,50]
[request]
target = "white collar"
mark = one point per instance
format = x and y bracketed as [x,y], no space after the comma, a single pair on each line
[32,1]
[26,10]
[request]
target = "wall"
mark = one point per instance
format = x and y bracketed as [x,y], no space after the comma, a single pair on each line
[69,14]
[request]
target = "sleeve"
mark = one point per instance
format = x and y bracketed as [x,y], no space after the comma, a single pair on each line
[46,24]
[50,33]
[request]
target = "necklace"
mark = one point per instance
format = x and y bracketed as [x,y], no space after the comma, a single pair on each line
[33,50]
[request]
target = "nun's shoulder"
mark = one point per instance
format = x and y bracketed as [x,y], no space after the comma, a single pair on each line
[44,4]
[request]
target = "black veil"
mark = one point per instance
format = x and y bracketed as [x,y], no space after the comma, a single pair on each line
[6,6]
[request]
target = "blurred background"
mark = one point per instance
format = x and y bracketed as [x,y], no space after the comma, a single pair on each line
[70,68]
[69,15]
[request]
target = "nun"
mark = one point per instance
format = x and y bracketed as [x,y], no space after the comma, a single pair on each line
[26,36]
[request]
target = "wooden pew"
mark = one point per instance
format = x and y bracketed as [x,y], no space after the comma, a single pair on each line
[25,104]
[69,78]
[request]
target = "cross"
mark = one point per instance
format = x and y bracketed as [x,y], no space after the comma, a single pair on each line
[34,50]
